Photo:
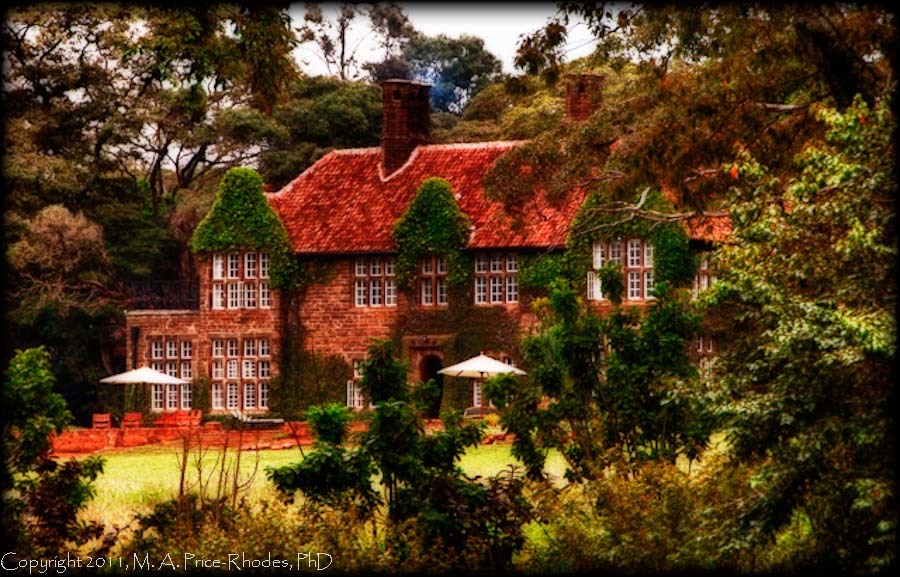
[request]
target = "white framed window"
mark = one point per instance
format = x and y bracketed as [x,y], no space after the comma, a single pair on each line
[375,286]
[157,366]
[264,369]
[264,349]
[637,268]
[172,368]
[231,369]
[156,396]
[265,295]
[615,252]
[481,263]
[442,298]
[480,290]
[372,287]
[357,368]
[218,296]
[249,295]
[354,395]
[232,398]
[186,396]
[218,396]
[390,292]
[156,349]
[187,370]
[171,349]
[218,267]
[433,281]
[361,295]
[634,286]
[593,286]
[217,370]
[648,283]
[427,292]
[249,395]
[263,395]
[249,347]
[496,279]
[263,265]
[249,265]
[187,349]
[235,294]
[634,253]
[232,347]
[218,347]
[496,289]
[234,265]
[171,397]
[249,370]
[476,394]
[512,289]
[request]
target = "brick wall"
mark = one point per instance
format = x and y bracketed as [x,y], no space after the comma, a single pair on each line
[582,95]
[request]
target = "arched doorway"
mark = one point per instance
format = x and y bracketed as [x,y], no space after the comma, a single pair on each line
[428,369]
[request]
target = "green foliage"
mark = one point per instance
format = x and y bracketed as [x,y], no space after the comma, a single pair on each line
[241,218]
[808,295]
[31,410]
[308,379]
[432,505]
[41,498]
[432,226]
[600,409]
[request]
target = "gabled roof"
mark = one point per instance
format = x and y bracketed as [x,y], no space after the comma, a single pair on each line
[344,204]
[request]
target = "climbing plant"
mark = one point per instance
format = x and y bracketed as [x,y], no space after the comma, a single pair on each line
[241,218]
[599,219]
[433,225]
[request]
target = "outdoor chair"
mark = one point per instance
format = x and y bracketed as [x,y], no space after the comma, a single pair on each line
[101,421]
[132,420]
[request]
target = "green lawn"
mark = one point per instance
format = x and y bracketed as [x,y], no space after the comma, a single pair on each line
[134,479]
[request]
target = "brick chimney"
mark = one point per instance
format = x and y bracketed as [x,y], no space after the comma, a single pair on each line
[405,120]
[582,95]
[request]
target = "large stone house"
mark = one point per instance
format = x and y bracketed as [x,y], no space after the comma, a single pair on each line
[340,213]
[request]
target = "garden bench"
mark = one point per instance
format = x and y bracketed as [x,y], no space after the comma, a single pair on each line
[101,420]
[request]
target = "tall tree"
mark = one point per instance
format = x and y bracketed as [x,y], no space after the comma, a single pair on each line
[456,68]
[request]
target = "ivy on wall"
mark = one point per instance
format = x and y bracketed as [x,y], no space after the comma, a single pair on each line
[241,218]
[433,225]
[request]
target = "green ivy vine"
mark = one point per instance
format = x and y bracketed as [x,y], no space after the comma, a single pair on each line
[433,225]
[241,218]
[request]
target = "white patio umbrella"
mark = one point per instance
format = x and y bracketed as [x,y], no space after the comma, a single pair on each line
[143,375]
[479,368]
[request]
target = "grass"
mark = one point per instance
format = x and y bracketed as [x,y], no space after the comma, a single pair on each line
[133,480]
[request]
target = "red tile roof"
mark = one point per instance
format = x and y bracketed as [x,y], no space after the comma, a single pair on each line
[344,204]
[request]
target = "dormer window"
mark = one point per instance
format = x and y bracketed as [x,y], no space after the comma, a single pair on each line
[634,256]
[234,281]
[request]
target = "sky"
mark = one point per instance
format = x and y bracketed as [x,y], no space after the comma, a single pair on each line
[499,24]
